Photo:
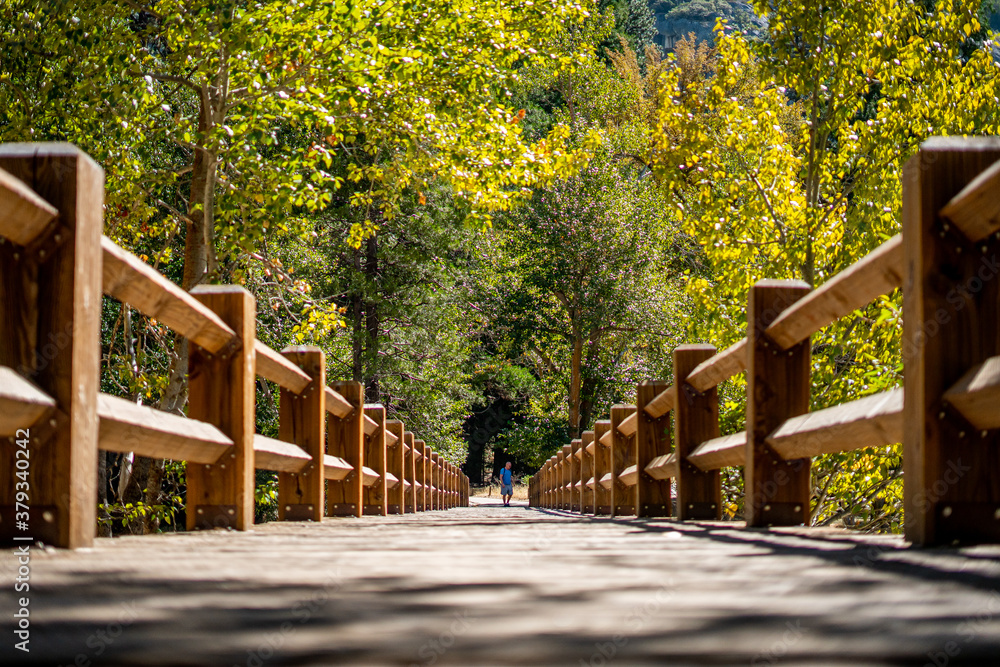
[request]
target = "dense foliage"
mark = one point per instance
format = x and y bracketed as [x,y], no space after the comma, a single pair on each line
[499,216]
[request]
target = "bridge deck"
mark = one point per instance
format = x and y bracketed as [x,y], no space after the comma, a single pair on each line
[493,585]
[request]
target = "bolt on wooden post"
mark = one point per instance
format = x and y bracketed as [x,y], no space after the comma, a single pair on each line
[396,465]
[622,456]
[696,420]
[652,439]
[221,391]
[951,345]
[602,468]
[777,491]
[302,421]
[345,437]
[375,501]
[50,300]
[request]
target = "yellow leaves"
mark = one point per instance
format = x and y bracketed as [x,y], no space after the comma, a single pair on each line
[422,199]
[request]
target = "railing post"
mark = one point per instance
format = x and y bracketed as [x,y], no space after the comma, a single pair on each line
[302,421]
[432,479]
[346,438]
[50,310]
[778,387]
[452,486]
[652,439]
[696,419]
[221,391]
[423,476]
[622,456]
[575,497]
[951,320]
[559,480]
[396,464]
[586,472]
[566,478]
[602,466]
[375,501]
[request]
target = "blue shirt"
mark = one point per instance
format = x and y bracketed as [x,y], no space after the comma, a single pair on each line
[505,476]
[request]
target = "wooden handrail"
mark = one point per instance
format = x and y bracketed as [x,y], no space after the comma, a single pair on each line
[722,366]
[130,280]
[337,405]
[977,395]
[976,209]
[23,214]
[369,476]
[628,425]
[629,476]
[127,427]
[390,439]
[663,403]
[277,455]
[275,367]
[391,481]
[663,467]
[868,422]
[607,481]
[370,425]
[878,273]
[336,468]
[729,450]
[21,402]
[605,440]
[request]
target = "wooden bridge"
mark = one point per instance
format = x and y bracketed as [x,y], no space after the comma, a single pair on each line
[493,585]
[409,572]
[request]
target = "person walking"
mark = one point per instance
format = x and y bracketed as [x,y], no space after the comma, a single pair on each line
[506,485]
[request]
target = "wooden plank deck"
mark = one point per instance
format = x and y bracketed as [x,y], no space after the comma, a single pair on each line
[494,585]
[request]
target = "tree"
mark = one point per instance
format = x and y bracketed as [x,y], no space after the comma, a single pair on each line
[583,263]
[784,157]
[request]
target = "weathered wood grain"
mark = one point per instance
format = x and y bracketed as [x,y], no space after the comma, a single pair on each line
[722,366]
[975,210]
[778,388]
[21,402]
[977,395]
[273,366]
[132,281]
[662,403]
[872,421]
[302,421]
[727,451]
[662,467]
[951,316]
[696,420]
[652,439]
[221,391]
[345,437]
[878,273]
[50,315]
[24,215]
[127,427]
[337,405]
[271,454]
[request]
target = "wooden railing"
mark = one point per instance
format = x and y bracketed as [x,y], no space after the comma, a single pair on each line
[335,456]
[947,414]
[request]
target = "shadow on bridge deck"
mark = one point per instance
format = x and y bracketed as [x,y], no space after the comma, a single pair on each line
[495,585]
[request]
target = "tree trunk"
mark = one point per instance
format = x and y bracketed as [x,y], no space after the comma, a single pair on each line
[575,383]
[372,321]
[357,324]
